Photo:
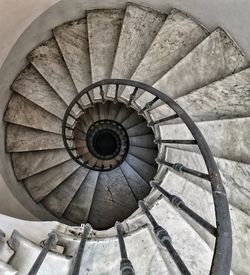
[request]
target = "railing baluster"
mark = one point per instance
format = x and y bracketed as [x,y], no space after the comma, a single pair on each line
[165,119]
[102,94]
[148,105]
[175,141]
[132,96]
[181,168]
[116,93]
[50,242]
[90,99]
[179,203]
[78,256]
[80,106]
[126,266]
[75,118]
[165,240]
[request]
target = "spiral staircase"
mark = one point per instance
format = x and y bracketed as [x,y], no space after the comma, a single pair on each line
[102,119]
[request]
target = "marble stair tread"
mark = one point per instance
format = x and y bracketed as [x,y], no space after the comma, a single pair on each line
[132,120]
[79,207]
[123,113]
[48,60]
[139,130]
[43,183]
[145,141]
[137,184]
[114,110]
[26,164]
[139,28]
[145,170]
[31,85]
[223,99]
[24,112]
[234,175]
[72,39]
[112,201]
[26,252]
[177,37]
[223,137]
[59,199]
[6,269]
[23,139]
[147,155]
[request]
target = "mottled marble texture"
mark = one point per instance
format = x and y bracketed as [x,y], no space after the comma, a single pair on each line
[29,163]
[47,59]
[72,39]
[140,26]
[33,86]
[59,199]
[176,38]
[23,112]
[227,139]
[216,57]
[41,184]
[22,139]
[79,207]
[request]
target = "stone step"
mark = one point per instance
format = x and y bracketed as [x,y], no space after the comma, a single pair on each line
[48,60]
[114,110]
[26,253]
[79,207]
[145,141]
[223,137]
[112,201]
[31,85]
[104,28]
[103,110]
[42,184]
[235,176]
[132,120]
[23,112]
[146,171]
[123,113]
[5,251]
[59,199]
[147,155]
[140,26]
[176,38]
[27,164]
[6,269]
[139,130]
[23,139]
[223,99]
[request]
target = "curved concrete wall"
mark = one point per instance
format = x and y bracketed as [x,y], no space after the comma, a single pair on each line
[25,24]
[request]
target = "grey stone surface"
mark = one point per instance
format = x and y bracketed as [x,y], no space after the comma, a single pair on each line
[139,130]
[176,38]
[79,207]
[27,164]
[216,57]
[112,201]
[223,137]
[123,113]
[23,112]
[41,184]
[140,26]
[132,120]
[33,86]
[145,141]
[6,269]
[147,155]
[59,199]
[114,110]
[72,39]
[47,59]
[103,110]
[23,139]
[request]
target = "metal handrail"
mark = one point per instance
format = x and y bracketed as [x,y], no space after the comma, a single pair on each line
[223,247]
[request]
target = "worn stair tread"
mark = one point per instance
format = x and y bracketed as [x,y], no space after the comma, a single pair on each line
[139,28]
[24,112]
[40,185]
[177,37]
[78,209]
[145,170]
[31,85]
[59,199]
[26,164]
[132,120]
[139,130]
[112,201]
[123,113]
[72,39]
[147,155]
[145,141]
[23,139]
[220,136]
[47,59]
[234,175]
[114,110]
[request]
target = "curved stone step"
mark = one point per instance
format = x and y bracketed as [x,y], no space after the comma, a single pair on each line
[147,155]
[79,207]
[146,171]
[27,164]
[42,184]
[23,112]
[227,138]
[132,120]
[6,269]
[176,38]
[31,85]
[139,28]
[103,110]
[146,141]
[114,110]
[48,60]
[139,130]
[23,139]
[59,199]
[112,201]
[123,113]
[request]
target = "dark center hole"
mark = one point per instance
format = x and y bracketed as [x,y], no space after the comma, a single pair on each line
[105,142]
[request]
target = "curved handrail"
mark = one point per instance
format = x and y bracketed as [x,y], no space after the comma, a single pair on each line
[223,248]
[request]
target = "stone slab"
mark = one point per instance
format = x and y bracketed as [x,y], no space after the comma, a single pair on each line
[147,155]
[139,130]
